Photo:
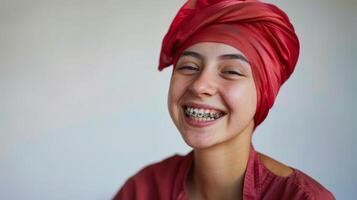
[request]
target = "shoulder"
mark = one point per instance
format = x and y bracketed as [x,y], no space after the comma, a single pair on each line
[295,183]
[310,187]
[275,166]
[159,171]
[147,181]
[164,167]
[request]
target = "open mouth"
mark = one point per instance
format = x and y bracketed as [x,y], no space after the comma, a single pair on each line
[201,114]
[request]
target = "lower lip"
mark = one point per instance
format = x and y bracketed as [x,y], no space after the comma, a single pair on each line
[199,124]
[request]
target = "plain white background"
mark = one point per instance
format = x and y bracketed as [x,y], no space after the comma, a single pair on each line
[83,107]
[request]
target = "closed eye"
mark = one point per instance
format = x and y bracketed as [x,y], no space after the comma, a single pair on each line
[230,72]
[187,68]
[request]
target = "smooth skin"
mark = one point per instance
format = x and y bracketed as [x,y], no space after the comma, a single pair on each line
[217,75]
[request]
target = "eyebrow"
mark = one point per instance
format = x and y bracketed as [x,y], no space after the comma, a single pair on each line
[224,56]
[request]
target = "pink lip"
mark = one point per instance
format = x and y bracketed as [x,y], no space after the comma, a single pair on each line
[199,124]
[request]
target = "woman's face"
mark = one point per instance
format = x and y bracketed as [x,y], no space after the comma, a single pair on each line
[212,96]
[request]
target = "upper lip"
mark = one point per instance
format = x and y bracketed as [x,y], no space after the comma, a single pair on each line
[203,106]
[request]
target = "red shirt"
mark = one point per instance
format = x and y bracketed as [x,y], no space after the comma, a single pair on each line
[166,180]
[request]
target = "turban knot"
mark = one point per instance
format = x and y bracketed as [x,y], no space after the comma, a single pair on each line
[261,31]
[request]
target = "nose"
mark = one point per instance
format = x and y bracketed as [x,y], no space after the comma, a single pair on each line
[204,85]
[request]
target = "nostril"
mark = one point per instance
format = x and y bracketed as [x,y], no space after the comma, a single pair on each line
[202,89]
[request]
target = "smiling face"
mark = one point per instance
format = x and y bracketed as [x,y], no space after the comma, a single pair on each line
[212,97]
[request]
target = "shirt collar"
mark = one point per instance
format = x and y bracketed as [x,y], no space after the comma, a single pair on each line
[252,177]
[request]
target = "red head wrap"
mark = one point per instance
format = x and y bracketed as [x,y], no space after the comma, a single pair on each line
[261,31]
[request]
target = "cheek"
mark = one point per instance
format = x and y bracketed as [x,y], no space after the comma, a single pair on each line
[171,98]
[176,91]
[241,98]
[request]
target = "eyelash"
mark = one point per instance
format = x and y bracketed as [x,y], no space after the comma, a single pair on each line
[188,68]
[230,72]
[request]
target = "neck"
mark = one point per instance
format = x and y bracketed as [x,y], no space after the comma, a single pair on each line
[218,172]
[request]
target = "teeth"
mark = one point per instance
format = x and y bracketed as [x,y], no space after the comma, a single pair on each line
[195,111]
[202,114]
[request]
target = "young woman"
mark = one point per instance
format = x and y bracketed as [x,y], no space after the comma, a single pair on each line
[230,58]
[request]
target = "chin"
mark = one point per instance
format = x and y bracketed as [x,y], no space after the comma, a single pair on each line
[199,140]
[199,146]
